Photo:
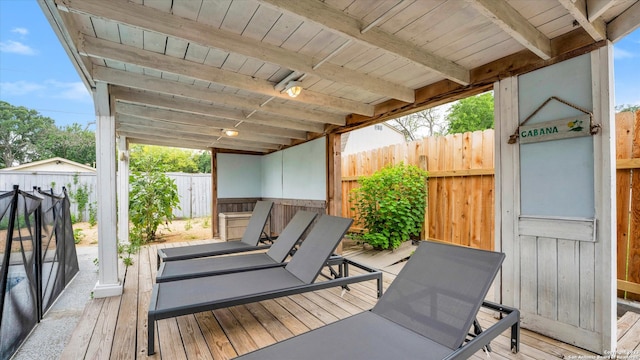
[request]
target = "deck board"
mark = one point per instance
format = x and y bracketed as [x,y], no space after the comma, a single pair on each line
[219,345]
[116,327]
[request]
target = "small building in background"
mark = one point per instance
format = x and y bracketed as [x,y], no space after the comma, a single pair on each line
[369,138]
[56,164]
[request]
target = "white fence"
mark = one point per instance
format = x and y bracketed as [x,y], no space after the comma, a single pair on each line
[194,190]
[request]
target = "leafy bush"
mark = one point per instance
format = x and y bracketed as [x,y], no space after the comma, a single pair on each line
[152,199]
[390,205]
[93,214]
[78,235]
[80,196]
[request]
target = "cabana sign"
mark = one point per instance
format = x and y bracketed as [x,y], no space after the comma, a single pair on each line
[557,129]
[576,126]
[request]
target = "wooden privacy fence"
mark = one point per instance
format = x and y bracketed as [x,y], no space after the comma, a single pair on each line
[194,190]
[461,189]
[460,186]
[628,203]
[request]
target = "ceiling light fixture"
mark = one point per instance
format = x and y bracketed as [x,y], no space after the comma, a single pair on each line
[293,88]
[230,132]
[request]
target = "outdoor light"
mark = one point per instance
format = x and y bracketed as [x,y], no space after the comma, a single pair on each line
[230,132]
[293,88]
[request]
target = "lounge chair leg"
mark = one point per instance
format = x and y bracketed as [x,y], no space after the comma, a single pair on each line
[515,338]
[151,324]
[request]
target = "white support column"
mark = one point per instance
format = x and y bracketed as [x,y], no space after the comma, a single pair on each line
[604,149]
[123,190]
[507,187]
[108,282]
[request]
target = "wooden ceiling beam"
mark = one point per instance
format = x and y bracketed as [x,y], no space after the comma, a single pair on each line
[598,7]
[123,95]
[168,87]
[564,47]
[104,49]
[518,27]
[339,22]
[148,18]
[625,23]
[195,132]
[141,114]
[160,142]
[181,141]
[596,28]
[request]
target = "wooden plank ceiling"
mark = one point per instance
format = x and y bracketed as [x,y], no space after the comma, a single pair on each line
[182,71]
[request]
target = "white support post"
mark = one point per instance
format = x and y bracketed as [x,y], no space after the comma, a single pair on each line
[604,148]
[123,190]
[108,282]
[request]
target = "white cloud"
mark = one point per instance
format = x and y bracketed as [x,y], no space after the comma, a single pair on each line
[21,31]
[69,90]
[19,88]
[622,54]
[52,89]
[16,47]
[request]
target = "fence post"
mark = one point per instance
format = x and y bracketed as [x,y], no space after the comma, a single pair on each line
[422,159]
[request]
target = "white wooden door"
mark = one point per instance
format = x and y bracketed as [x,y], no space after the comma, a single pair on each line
[555,213]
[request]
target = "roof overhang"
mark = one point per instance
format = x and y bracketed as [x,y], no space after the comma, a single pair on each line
[181,72]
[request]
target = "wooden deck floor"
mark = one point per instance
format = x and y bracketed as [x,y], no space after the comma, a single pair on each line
[116,327]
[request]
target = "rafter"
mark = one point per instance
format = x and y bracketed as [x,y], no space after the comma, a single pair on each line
[350,27]
[598,7]
[109,50]
[197,146]
[625,23]
[192,107]
[510,21]
[224,99]
[168,87]
[145,17]
[198,133]
[157,142]
[180,141]
[138,114]
[597,29]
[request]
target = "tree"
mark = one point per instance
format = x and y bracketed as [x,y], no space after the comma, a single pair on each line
[471,114]
[163,158]
[411,125]
[21,130]
[204,162]
[627,107]
[69,142]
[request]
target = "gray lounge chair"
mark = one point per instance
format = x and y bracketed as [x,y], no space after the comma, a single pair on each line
[289,237]
[426,313]
[250,240]
[182,297]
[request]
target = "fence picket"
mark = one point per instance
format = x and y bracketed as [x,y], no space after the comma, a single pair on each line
[633,257]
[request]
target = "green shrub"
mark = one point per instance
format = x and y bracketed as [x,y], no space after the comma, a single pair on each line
[152,199]
[80,196]
[78,235]
[390,205]
[93,214]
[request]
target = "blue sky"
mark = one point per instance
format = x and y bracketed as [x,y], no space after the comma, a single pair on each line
[35,71]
